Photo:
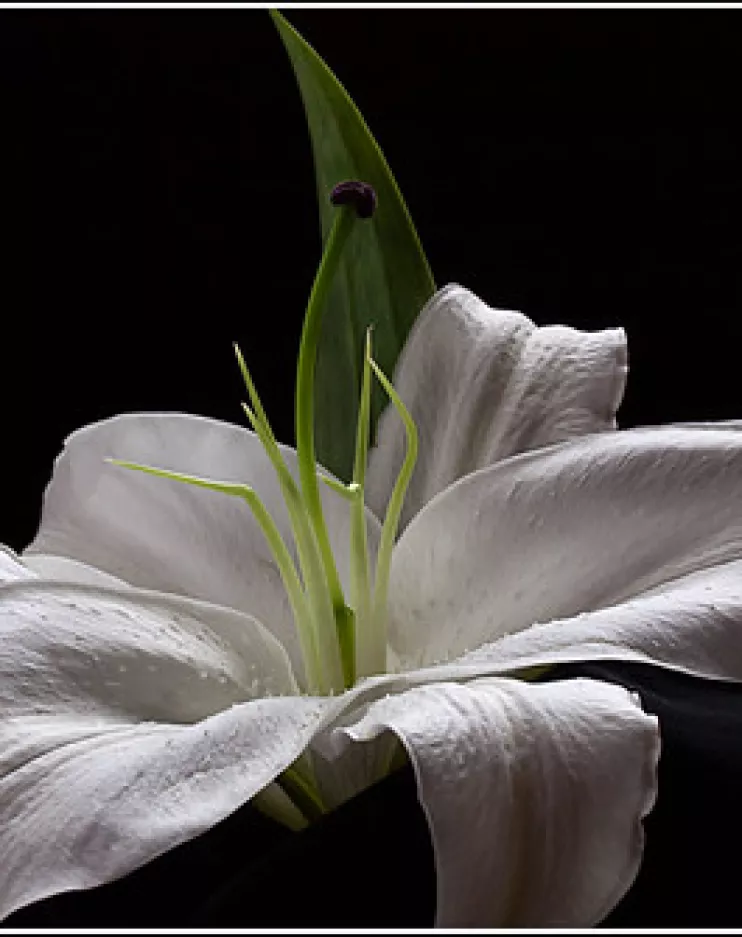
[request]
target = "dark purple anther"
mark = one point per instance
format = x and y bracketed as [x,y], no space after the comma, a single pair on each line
[358,194]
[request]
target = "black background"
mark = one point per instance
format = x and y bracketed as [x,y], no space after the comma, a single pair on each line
[158,203]
[158,199]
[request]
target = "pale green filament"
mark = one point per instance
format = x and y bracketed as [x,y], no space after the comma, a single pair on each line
[329,667]
[393,511]
[370,644]
[304,414]
[252,390]
[349,492]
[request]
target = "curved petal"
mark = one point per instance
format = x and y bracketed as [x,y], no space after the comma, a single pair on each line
[483,384]
[129,723]
[692,624]
[534,794]
[132,716]
[171,537]
[567,530]
[64,569]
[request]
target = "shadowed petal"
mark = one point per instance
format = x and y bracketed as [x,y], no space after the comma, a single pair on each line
[534,794]
[129,723]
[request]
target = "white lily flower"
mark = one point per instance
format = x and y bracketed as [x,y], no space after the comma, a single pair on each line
[152,680]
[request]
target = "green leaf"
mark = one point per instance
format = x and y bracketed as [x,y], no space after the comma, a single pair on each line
[384,278]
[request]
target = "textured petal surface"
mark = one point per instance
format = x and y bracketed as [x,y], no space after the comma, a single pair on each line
[132,721]
[129,723]
[171,537]
[534,794]
[483,384]
[574,529]
[692,624]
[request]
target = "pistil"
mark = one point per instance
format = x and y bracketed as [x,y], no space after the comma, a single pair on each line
[353,200]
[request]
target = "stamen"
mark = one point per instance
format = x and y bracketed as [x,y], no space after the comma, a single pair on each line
[349,492]
[310,561]
[394,508]
[370,644]
[259,412]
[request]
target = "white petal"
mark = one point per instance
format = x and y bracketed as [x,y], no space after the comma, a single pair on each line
[12,568]
[64,569]
[581,526]
[140,655]
[534,795]
[483,384]
[692,624]
[172,537]
[124,732]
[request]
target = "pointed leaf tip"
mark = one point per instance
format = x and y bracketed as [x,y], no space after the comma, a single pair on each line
[384,275]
